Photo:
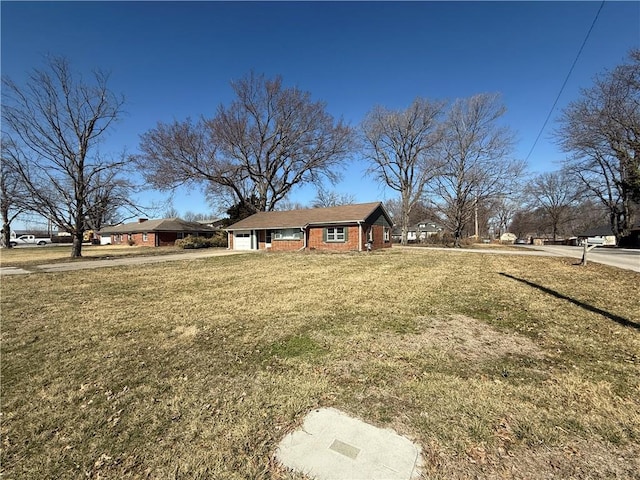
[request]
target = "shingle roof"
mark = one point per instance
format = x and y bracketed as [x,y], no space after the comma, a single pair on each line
[602,230]
[158,225]
[311,216]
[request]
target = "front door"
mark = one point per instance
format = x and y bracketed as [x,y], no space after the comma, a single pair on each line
[267,239]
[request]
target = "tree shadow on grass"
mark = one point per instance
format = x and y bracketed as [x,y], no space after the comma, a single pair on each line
[616,318]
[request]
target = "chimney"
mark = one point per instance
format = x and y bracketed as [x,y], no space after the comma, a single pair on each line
[142,220]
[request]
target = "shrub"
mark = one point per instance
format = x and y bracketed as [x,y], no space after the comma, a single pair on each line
[219,239]
[190,242]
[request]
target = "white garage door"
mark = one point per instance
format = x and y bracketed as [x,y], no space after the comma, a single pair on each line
[242,240]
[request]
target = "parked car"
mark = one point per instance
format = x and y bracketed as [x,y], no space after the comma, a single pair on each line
[29,240]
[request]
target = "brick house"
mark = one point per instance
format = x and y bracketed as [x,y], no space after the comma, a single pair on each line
[344,228]
[155,233]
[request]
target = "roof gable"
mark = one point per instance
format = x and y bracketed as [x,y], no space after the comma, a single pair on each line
[360,212]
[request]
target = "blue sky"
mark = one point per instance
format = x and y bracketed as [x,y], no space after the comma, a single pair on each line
[172,60]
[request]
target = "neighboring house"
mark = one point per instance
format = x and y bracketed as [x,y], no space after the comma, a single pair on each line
[426,230]
[632,240]
[508,237]
[155,233]
[342,228]
[419,232]
[396,234]
[602,232]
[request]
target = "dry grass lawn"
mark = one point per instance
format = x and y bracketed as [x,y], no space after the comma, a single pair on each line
[29,256]
[497,366]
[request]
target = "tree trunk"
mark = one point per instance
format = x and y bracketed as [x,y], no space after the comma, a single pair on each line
[406,210]
[76,248]
[457,234]
[5,241]
[405,228]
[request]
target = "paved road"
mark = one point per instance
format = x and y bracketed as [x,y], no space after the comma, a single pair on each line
[116,261]
[616,257]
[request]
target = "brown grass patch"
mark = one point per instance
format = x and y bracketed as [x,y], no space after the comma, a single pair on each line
[470,339]
[198,369]
[29,256]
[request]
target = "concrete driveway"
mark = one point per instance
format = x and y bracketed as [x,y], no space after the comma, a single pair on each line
[119,261]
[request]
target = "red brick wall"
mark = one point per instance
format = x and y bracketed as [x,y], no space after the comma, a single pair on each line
[164,239]
[378,238]
[135,237]
[285,245]
[315,240]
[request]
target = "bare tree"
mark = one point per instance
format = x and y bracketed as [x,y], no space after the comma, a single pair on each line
[190,216]
[503,209]
[52,127]
[420,212]
[587,214]
[287,204]
[555,193]
[478,166]
[601,131]
[525,223]
[400,148]
[269,140]
[330,198]
[11,198]
[109,201]
[171,212]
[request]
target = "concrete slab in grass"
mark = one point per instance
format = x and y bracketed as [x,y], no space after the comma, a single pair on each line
[334,446]
[13,271]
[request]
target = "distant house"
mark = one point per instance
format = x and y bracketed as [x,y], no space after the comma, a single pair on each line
[419,232]
[344,228]
[154,233]
[508,237]
[602,232]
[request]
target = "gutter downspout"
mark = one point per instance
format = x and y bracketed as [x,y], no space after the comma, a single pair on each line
[304,238]
[359,236]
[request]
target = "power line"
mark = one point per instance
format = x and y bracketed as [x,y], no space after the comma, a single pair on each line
[565,81]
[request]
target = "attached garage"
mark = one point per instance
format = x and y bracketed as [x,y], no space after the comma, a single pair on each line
[242,240]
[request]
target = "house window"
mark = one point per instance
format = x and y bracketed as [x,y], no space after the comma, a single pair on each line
[387,234]
[287,234]
[145,237]
[335,234]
